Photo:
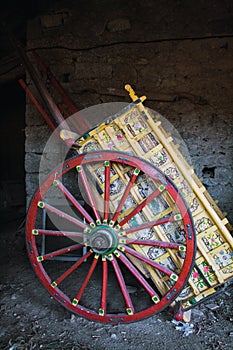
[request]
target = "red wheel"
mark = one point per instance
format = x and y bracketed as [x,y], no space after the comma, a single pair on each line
[126,257]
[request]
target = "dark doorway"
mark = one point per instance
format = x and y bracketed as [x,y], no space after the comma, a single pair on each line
[12,136]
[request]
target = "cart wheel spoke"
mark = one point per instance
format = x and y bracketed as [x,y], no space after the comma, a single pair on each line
[88,190]
[121,281]
[106,191]
[73,201]
[128,238]
[152,263]
[125,195]
[71,269]
[140,207]
[57,233]
[87,279]
[160,244]
[154,296]
[103,305]
[59,252]
[62,214]
[150,224]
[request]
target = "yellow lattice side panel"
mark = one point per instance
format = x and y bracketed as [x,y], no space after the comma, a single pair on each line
[134,130]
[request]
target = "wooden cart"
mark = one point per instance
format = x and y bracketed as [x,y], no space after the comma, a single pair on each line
[112,233]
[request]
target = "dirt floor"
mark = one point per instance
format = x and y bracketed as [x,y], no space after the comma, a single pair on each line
[31,319]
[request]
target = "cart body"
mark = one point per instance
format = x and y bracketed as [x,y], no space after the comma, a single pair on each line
[137,130]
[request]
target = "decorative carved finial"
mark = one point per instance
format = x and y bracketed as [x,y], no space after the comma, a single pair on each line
[132,94]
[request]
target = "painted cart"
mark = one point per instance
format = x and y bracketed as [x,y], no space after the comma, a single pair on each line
[138,230]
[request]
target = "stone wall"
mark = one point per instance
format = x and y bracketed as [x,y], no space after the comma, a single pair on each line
[179,55]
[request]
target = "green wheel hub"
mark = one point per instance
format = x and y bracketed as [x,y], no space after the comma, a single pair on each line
[102,239]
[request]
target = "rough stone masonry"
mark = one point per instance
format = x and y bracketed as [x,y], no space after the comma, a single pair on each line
[179,57]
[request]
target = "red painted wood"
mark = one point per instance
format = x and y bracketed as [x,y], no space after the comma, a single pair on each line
[103,304]
[46,117]
[153,243]
[149,225]
[60,233]
[64,216]
[137,275]
[81,126]
[121,281]
[87,278]
[140,207]
[89,194]
[106,192]
[72,268]
[74,201]
[124,197]
[62,251]
[150,262]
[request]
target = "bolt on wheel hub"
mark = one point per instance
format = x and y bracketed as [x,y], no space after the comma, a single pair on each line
[103,240]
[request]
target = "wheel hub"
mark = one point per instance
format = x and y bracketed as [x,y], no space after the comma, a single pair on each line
[103,240]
